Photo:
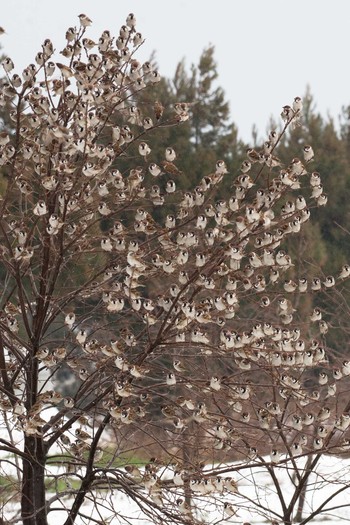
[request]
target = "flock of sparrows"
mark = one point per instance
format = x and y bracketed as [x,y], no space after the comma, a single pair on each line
[170,290]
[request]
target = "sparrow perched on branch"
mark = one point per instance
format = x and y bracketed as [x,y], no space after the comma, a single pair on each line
[85,21]
[158,110]
[308,153]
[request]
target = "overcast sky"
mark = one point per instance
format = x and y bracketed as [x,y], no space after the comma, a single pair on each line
[267,50]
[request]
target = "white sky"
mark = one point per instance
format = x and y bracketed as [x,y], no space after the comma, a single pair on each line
[267,50]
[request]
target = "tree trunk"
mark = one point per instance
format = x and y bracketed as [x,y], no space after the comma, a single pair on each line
[33,503]
[187,459]
[302,497]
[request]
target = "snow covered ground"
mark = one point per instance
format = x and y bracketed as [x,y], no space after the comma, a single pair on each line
[256,501]
[255,488]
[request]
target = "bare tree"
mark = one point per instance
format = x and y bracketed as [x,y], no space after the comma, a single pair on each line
[152,345]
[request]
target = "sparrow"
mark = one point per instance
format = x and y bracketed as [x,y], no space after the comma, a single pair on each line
[123,390]
[229,510]
[40,208]
[296,167]
[220,167]
[188,403]
[83,374]
[134,472]
[124,31]
[88,43]
[138,39]
[322,431]
[282,259]
[324,414]
[81,336]
[289,286]
[252,453]
[154,77]
[178,478]
[264,302]
[170,379]
[121,364]
[273,137]
[246,166]
[230,484]
[345,272]
[131,20]
[296,449]
[308,153]
[337,374]
[345,368]
[66,71]
[275,456]
[68,402]
[54,221]
[345,443]
[271,160]
[170,186]
[178,423]
[300,203]
[82,435]
[253,155]
[107,245]
[149,480]
[70,319]
[154,169]
[342,423]
[317,443]
[267,147]
[273,408]
[322,378]
[297,422]
[322,200]
[329,282]
[323,327]
[71,33]
[170,154]
[144,149]
[85,21]
[42,353]
[287,113]
[158,110]
[182,506]
[331,391]
[297,104]
[315,179]
[316,315]
[317,191]
[178,366]
[47,48]
[7,64]
[316,284]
